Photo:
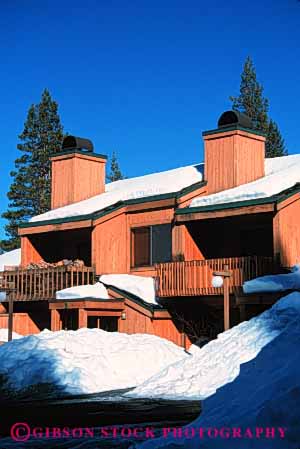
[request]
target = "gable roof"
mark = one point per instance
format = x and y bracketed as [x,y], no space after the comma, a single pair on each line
[145,188]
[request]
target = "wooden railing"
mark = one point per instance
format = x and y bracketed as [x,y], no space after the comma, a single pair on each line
[42,283]
[193,278]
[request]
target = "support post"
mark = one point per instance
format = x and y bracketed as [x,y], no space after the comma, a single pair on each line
[226,302]
[10,317]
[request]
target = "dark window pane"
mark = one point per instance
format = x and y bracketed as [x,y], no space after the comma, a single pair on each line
[141,247]
[161,243]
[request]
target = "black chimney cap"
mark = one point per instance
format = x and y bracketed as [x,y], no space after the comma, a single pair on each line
[230,118]
[77,143]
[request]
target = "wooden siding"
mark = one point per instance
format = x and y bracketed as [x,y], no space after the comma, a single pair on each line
[286,229]
[110,246]
[194,278]
[76,177]
[233,158]
[29,254]
[23,324]
[183,244]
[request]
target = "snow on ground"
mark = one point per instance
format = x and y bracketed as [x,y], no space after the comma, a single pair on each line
[266,394]
[84,361]
[10,258]
[218,362]
[141,187]
[274,283]
[281,173]
[4,335]
[97,291]
[141,286]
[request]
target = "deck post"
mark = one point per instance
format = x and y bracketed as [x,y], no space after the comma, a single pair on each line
[10,317]
[82,318]
[225,274]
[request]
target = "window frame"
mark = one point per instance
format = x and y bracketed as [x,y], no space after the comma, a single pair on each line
[133,266]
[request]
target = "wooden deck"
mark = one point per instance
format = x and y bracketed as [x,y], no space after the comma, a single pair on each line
[194,278]
[42,283]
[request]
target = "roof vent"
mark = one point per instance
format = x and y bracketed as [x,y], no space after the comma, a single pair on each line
[77,143]
[230,118]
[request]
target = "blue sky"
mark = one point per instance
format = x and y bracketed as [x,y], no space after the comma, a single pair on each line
[144,78]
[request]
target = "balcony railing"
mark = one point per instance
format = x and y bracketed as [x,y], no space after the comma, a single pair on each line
[194,278]
[42,283]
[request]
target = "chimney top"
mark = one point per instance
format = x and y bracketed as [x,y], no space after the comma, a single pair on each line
[77,143]
[229,118]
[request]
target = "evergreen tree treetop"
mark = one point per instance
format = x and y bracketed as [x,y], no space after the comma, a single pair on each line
[30,190]
[252,102]
[115,172]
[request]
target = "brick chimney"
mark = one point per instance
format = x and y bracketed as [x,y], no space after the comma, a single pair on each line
[234,153]
[77,172]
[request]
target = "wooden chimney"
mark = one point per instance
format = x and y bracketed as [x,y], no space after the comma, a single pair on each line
[77,172]
[234,153]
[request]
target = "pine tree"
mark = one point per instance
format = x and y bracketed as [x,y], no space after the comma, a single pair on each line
[274,144]
[252,102]
[30,191]
[115,172]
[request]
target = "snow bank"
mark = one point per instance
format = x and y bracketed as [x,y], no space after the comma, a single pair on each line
[10,258]
[265,394]
[274,283]
[84,361]
[4,335]
[141,286]
[281,174]
[218,362]
[141,187]
[97,291]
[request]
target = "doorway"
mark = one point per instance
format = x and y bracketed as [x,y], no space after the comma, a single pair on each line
[106,323]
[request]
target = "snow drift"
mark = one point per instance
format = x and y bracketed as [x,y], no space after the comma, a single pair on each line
[274,283]
[4,335]
[265,394]
[218,362]
[83,361]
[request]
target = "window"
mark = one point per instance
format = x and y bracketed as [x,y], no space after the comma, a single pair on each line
[150,245]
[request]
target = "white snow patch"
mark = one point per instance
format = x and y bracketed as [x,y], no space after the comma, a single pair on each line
[4,335]
[141,286]
[266,394]
[96,291]
[10,258]
[218,362]
[281,173]
[85,361]
[141,187]
[274,283]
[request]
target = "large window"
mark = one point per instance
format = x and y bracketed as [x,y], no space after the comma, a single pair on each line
[150,245]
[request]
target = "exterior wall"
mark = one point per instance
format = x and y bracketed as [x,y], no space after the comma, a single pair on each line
[76,177]
[109,246]
[233,158]
[28,252]
[286,229]
[183,245]
[22,324]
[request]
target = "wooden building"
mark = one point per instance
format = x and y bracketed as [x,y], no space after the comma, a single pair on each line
[151,226]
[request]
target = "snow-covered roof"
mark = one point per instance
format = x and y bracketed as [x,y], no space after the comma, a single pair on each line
[140,286]
[281,173]
[166,182]
[10,258]
[96,291]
